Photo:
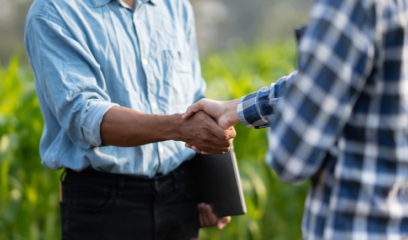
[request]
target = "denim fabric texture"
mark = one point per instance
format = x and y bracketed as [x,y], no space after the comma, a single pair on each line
[110,206]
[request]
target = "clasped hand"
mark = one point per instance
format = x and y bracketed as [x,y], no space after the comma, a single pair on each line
[224,113]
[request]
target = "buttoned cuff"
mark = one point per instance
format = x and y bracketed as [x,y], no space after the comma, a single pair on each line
[248,112]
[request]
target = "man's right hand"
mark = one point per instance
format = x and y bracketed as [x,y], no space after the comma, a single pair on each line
[201,131]
[225,113]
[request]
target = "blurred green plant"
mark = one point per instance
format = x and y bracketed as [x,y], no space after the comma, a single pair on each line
[29,192]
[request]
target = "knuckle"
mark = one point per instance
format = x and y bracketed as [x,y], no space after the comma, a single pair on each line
[207,138]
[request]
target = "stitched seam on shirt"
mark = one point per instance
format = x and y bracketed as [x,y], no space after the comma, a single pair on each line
[43,14]
[55,21]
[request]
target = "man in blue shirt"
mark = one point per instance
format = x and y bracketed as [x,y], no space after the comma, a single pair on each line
[112,78]
[341,120]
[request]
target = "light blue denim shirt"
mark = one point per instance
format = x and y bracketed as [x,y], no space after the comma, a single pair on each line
[90,55]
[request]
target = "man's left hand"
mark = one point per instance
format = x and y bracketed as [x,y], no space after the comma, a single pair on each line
[209,219]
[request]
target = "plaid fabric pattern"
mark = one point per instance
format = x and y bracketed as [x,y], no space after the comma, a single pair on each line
[342,120]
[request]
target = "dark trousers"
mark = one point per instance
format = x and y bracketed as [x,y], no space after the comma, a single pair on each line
[111,206]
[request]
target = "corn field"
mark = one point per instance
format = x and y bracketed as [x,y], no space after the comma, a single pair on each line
[29,198]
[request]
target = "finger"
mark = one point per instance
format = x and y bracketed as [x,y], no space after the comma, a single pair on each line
[230,143]
[205,217]
[211,147]
[221,152]
[211,218]
[222,222]
[196,149]
[192,109]
[231,133]
[201,214]
[213,142]
[213,127]
[220,225]
[214,146]
[216,130]
[213,150]
[211,215]
[210,142]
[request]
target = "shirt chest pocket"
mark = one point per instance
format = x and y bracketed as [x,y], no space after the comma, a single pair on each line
[180,78]
[175,64]
[182,66]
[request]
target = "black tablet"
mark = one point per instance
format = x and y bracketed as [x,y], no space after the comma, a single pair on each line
[218,183]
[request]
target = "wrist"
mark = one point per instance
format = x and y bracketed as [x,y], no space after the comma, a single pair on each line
[232,112]
[174,123]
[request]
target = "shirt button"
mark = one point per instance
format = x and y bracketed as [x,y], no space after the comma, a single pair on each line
[145,61]
[154,105]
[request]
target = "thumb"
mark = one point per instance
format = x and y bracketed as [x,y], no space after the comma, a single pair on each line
[192,110]
[223,222]
[217,130]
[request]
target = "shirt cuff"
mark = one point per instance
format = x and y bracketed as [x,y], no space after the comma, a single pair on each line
[248,112]
[92,119]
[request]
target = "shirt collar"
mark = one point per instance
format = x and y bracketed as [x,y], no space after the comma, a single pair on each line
[100,3]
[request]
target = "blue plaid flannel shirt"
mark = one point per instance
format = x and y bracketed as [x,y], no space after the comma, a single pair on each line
[342,120]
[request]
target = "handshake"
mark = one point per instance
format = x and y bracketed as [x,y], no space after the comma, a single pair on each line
[218,118]
[215,131]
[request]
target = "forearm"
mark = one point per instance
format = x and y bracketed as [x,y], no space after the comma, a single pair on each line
[125,127]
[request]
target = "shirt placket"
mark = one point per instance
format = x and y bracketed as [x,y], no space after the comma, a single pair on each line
[140,29]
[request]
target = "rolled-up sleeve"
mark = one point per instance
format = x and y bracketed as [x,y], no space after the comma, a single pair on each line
[69,79]
[255,109]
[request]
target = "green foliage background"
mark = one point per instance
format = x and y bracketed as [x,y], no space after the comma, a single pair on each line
[29,192]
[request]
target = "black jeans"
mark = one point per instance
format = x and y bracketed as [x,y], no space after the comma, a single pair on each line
[112,206]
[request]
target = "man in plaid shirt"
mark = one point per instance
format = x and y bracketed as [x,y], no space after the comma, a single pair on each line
[341,120]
